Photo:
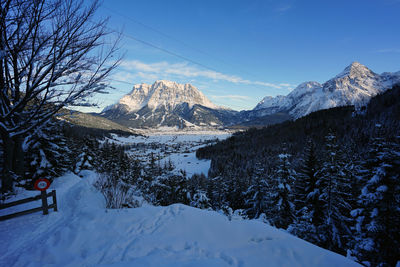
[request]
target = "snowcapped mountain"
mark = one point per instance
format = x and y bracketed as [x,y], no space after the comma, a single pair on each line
[167,103]
[355,85]
[162,94]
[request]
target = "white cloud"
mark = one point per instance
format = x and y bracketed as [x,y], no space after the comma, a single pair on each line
[123,76]
[165,69]
[286,85]
[231,97]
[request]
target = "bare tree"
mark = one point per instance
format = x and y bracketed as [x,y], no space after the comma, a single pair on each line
[52,55]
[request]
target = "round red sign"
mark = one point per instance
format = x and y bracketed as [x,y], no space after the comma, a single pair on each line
[42,184]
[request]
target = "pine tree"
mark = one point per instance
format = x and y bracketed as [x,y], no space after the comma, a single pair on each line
[48,154]
[217,189]
[306,189]
[378,217]
[170,189]
[307,203]
[257,194]
[197,191]
[282,196]
[86,158]
[200,200]
[335,190]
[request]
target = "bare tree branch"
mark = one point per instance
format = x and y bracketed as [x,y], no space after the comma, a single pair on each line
[52,55]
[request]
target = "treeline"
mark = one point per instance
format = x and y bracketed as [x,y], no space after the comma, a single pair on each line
[331,178]
[56,148]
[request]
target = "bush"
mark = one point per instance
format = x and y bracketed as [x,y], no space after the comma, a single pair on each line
[117,193]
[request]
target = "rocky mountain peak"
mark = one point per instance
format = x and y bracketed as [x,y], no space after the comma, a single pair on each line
[167,103]
[356,70]
[162,94]
[355,85]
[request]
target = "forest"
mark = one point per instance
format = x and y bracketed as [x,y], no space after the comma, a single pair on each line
[331,178]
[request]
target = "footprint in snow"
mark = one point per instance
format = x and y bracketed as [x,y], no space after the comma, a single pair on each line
[260,239]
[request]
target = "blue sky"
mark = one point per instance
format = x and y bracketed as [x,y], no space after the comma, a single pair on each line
[237,52]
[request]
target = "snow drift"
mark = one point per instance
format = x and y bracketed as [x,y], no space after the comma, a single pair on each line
[84,233]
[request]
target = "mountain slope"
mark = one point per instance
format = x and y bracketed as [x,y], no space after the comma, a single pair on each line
[166,103]
[162,94]
[84,233]
[90,121]
[355,85]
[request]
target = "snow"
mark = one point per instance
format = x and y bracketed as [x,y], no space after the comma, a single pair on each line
[84,233]
[162,93]
[355,85]
[173,146]
[189,163]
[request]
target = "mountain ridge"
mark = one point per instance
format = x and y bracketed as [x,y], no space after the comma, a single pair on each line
[162,93]
[355,85]
[168,103]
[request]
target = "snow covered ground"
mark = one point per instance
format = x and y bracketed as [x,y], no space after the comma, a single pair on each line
[84,233]
[177,147]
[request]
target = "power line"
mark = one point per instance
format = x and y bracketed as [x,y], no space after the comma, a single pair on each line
[155,30]
[176,55]
[178,41]
[166,51]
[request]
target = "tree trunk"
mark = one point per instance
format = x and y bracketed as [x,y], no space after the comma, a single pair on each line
[13,162]
[19,157]
[7,174]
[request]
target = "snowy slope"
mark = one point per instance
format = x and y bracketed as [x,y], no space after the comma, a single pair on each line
[83,233]
[355,85]
[166,103]
[162,93]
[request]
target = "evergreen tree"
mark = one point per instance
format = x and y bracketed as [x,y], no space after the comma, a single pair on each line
[48,154]
[170,189]
[256,195]
[200,200]
[282,196]
[86,158]
[307,202]
[335,190]
[217,189]
[378,218]
[306,189]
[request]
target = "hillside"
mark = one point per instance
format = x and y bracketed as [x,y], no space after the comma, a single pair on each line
[167,103]
[355,85]
[331,177]
[84,233]
[383,109]
[90,121]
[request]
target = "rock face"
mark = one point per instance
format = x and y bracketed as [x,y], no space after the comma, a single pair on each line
[355,85]
[163,94]
[166,103]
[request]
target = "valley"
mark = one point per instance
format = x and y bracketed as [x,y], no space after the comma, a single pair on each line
[199,133]
[170,104]
[171,149]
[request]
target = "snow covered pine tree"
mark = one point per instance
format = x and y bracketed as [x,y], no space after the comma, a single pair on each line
[378,216]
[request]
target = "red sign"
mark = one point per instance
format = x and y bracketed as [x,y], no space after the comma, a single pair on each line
[42,184]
